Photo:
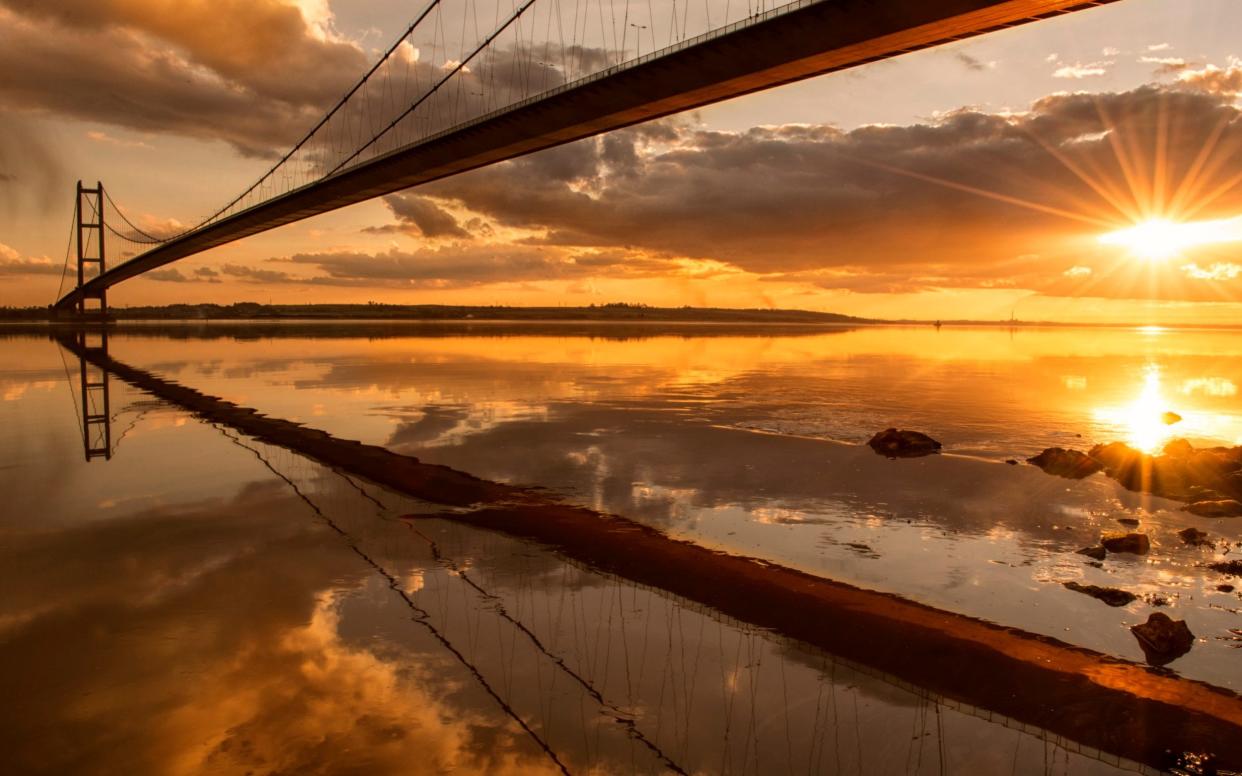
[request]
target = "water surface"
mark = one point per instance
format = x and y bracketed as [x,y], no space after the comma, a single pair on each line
[197,601]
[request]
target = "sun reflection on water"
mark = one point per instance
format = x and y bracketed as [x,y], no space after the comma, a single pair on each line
[1145,421]
[1151,420]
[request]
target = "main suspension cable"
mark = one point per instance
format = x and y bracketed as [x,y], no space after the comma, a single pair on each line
[150,239]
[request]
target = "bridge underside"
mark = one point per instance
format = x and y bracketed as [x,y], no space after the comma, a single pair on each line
[792,45]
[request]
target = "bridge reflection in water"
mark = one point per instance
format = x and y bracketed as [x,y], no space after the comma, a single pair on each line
[600,674]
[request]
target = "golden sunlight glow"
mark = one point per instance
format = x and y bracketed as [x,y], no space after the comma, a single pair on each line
[1159,238]
[1144,420]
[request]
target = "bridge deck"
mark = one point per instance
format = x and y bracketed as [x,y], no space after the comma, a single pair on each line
[788,44]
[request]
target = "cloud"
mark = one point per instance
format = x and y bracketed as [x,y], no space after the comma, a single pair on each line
[175,275]
[105,138]
[419,215]
[1159,47]
[13,263]
[1217,80]
[1169,66]
[1079,70]
[251,73]
[1221,270]
[238,272]
[168,275]
[1167,62]
[464,265]
[255,275]
[255,74]
[266,47]
[972,63]
[961,201]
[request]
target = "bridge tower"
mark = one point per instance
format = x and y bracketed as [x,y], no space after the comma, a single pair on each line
[89,218]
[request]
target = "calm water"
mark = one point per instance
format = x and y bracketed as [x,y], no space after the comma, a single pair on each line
[200,602]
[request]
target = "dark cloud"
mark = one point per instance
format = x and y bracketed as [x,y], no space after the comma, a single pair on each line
[252,73]
[934,204]
[422,216]
[971,63]
[168,275]
[249,72]
[263,46]
[465,265]
[232,271]
[255,275]
[174,275]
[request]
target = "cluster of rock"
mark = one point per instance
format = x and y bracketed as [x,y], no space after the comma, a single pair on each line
[1071,464]
[1208,479]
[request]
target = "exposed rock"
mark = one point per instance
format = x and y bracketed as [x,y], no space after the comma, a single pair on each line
[1194,537]
[1097,552]
[1182,472]
[1135,543]
[1109,595]
[1231,567]
[1011,462]
[1178,448]
[1163,639]
[1170,418]
[1138,471]
[1225,507]
[1199,493]
[892,443]
[1130,521]
[1225,588]
[863,549]
[1071,464]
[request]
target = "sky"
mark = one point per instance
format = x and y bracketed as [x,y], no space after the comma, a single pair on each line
[1083,168]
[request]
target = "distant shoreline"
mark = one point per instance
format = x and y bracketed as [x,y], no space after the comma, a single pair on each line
[254,313]
[625,313]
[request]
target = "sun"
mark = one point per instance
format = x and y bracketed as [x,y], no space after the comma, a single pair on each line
[1157,239]
[1154,240]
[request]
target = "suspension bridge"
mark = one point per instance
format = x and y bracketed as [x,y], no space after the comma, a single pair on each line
[475,82]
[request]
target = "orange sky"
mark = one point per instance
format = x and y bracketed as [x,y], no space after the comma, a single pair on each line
[970,181]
